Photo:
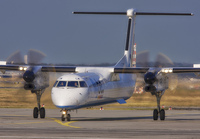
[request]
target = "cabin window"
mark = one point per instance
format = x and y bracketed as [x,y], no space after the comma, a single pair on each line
[55,84]
[83,84]
[61,84]
[72,84]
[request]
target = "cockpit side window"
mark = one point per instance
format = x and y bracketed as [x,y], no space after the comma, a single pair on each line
[55,84]
[61,84]
[72,84]
[83,84]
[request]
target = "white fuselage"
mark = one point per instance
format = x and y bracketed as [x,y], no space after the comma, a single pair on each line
[93,87]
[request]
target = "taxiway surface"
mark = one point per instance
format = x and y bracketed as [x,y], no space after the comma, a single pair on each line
[18,123]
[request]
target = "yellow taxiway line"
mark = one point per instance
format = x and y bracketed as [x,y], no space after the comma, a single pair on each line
[65,124]
[54,120]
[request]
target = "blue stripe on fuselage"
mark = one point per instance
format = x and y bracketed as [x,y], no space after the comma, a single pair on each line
[89,105]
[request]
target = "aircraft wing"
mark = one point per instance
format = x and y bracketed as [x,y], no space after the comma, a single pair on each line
[164,70]
[115,70]
[43,68]
[122,70]
[10,67]
[185,70]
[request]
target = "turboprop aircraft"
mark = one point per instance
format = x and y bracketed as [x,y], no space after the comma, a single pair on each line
[91,86]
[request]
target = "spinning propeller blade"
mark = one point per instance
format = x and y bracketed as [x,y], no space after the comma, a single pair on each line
[31,75]
[151,76]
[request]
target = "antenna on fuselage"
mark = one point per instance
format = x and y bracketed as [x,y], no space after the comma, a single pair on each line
[131,14]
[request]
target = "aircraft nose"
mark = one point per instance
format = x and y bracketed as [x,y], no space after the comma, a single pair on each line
[68,98]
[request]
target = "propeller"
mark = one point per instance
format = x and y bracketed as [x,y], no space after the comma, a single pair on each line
[15,58]
[161,60]
[33,77]
[33,57]
[154,79]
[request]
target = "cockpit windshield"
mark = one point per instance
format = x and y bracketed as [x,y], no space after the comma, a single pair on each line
[83,84]
[55,84]
[61,84]
[74,84]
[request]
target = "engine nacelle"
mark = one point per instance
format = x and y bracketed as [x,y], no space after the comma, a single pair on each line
[150,78]
[150,88]
[29,76]
[29,86]
[35,79]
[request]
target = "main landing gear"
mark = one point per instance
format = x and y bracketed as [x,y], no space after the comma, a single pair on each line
[65,115]
[38,110]
[158,111]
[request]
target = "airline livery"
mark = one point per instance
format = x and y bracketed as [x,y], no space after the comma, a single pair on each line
[84,87]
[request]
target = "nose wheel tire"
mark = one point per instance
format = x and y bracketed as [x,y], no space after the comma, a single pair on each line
[63,118]
[68,117]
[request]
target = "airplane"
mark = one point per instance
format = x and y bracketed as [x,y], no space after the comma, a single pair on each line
[85,87]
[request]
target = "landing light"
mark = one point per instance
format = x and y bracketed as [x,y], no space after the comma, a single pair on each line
[167,70]
[63,112]
[23,68]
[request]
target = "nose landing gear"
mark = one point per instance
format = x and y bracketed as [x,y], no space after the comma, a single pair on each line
[65,115]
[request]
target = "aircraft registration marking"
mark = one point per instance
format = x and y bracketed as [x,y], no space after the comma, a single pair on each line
[66,123]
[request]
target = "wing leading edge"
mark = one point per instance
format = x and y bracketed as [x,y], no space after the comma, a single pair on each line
[115,70]
[43,68]
[164,70]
